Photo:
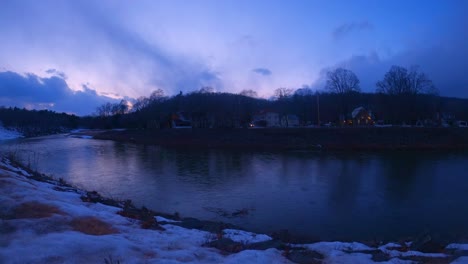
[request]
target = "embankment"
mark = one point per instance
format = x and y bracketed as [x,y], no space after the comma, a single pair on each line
[364,138]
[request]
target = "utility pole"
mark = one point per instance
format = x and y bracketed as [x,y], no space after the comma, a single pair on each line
[318,109]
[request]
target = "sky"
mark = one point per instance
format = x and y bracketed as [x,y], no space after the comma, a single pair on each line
[72,56]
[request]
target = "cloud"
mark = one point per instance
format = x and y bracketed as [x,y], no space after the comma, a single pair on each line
[262,71]
[52,93]
[351,28]
[146,57]
[57,73]
[93,44]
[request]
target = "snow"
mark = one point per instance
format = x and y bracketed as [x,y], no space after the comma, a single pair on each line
[328,248]
[244,236]
[460,260]
[83,136]
[53,238]
[6,163]
[389,249]
[6,134]
[255,256]
[457,246]
[162,219]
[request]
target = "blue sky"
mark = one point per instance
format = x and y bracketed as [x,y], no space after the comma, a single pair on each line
[129,48]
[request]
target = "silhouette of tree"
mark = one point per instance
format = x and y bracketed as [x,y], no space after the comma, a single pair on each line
[141,103]
[342,81]
[249,93]
[206,89]
[399,80]
[104,110]
[283,93]
[157,95]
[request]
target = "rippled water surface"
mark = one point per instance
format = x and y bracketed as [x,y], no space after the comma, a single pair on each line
[346,196]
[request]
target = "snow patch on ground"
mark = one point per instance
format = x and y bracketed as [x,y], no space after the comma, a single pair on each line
[162,219]
[391,251]
[329,248]
[53,239]
[7,164]
[458,246]
[6,134]
[244,236]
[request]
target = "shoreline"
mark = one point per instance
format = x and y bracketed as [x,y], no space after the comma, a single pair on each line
[423,249]
[313,139]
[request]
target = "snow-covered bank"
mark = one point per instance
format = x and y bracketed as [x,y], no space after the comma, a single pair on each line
[46,222]
[6,134]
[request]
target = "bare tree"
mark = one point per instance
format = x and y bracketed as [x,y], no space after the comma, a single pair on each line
[304,91]
[342,81]
[399,80]
[157,95]
[141,103]
[206,89]
[249,93]
[120,108]
[105,110]
[283,93]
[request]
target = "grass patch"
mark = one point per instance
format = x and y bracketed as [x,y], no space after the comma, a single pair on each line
[35,210]
[92,226]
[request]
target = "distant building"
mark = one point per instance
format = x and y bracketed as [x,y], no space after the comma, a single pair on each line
[181,120]
[361,116]
[290,121]
[266,118]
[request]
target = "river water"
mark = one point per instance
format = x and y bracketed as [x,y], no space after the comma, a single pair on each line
[315,195]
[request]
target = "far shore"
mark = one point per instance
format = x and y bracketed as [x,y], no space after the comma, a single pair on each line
[348,138]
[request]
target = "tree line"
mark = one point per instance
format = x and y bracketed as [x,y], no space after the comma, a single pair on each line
[403,96]
[37,122]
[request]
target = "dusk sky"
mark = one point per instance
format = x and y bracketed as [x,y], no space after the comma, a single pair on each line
[72,55]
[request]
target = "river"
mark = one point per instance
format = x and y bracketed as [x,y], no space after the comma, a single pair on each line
[314,195]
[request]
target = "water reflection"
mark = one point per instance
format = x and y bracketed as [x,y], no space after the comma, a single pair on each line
[320,195]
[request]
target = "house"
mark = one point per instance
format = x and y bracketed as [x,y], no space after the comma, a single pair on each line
[290,121]
[180,120]
[361,116]
[266,118]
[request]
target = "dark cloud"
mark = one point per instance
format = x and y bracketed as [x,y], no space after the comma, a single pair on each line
[52,93]
[350,28]
[262,71]
[95,37]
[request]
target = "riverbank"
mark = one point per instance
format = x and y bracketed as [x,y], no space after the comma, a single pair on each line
[363,138]
[48,221]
